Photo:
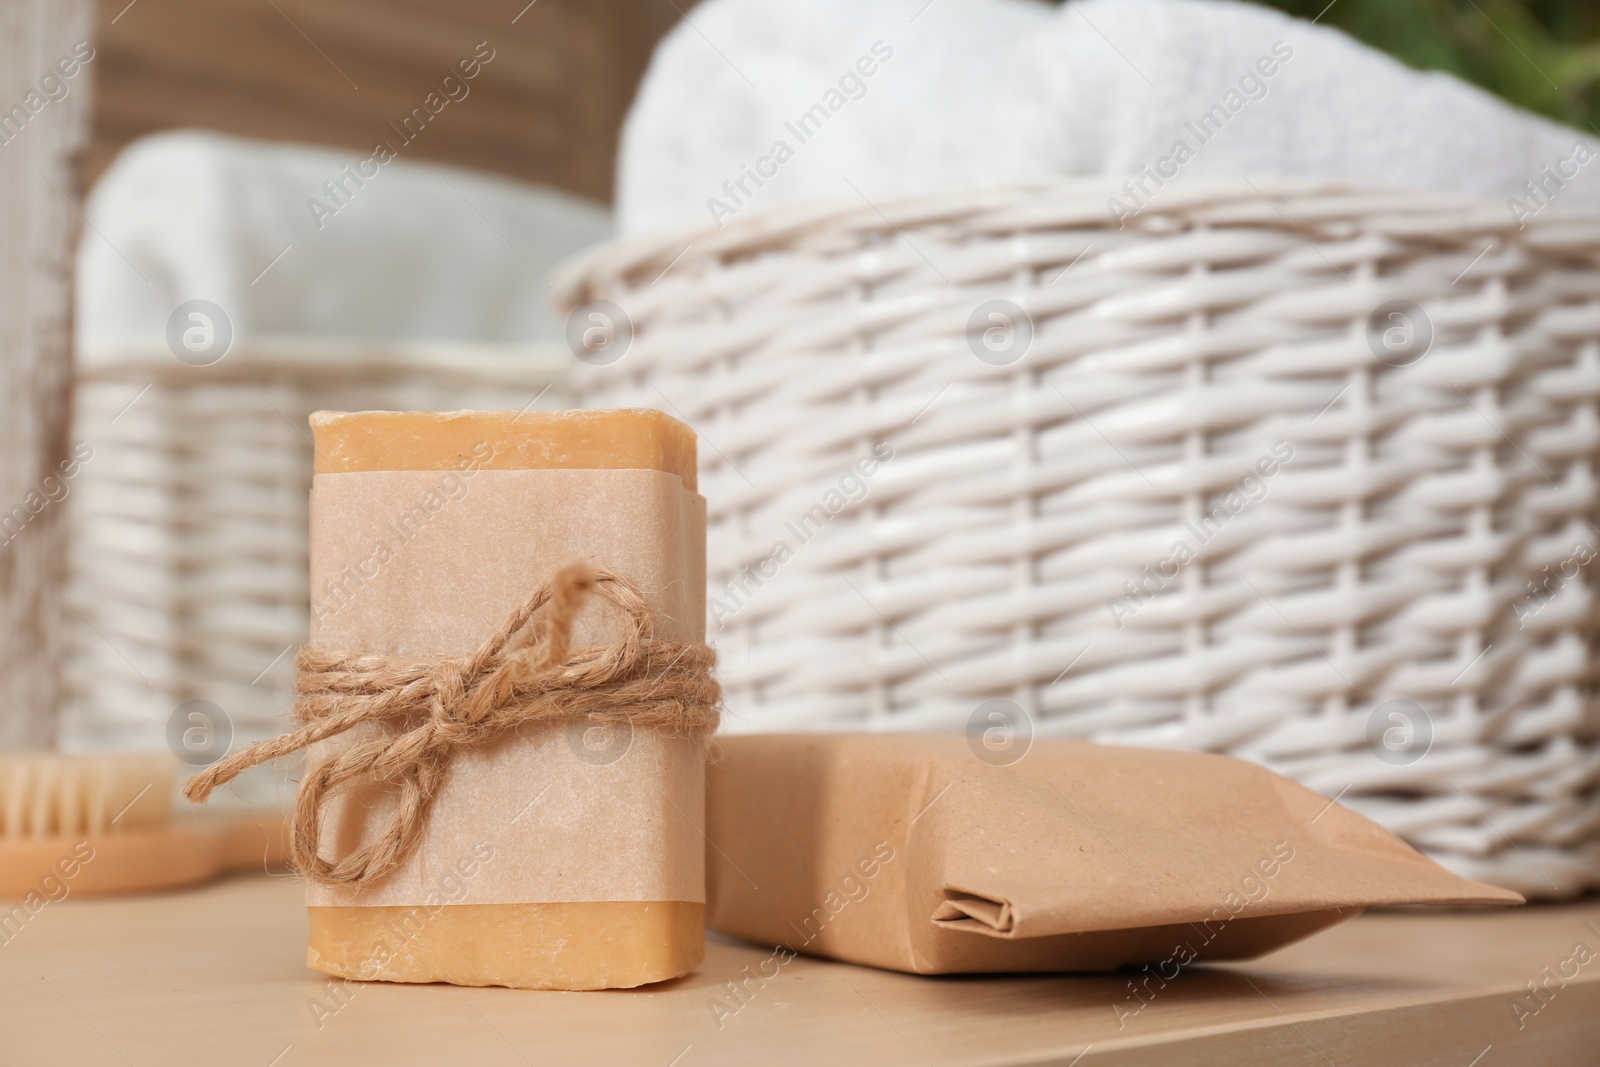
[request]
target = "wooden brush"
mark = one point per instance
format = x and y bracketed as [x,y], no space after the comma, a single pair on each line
[103,823]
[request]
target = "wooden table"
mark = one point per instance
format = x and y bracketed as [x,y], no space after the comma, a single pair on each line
[215,976]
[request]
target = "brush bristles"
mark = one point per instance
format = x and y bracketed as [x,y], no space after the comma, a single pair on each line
[52,795]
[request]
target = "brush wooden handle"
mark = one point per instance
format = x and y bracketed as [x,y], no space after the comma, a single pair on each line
[184,852]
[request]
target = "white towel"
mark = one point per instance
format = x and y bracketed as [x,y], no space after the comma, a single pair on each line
[1116,85]
[737,76]
[984,90]
[410,251]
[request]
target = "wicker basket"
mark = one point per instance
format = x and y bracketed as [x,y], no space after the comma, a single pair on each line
[187,554]
[1398,391]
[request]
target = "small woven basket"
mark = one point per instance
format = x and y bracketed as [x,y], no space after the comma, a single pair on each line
[1300,472]
[187,550]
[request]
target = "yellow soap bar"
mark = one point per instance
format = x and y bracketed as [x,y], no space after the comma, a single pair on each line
[558,945]
[600,944]
[619,439]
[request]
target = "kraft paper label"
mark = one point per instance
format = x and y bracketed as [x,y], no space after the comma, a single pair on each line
[429,564]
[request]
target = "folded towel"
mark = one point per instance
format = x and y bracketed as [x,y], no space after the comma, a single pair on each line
[889,95]
[288,239]
[1116,86]
[982,90]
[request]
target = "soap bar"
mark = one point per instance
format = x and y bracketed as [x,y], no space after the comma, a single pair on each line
[562,869]
[597,944]
[637,438]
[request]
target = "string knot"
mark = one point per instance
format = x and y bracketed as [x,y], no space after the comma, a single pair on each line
[423,713]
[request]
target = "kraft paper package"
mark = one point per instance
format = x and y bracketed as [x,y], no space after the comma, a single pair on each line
[911,852]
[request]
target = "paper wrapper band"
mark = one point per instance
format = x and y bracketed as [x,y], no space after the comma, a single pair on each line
[524,673]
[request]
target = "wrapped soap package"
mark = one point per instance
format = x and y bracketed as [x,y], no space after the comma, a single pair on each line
[925,854]
[562,855]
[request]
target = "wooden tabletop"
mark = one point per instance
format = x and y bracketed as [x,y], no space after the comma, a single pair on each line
[216,976]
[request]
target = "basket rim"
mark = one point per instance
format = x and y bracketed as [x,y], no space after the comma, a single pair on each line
[1077,201]
[318,357]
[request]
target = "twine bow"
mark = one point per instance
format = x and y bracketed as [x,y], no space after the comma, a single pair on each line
[469,700]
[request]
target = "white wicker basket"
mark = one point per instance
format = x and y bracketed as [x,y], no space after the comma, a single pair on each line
[1362,621]
[187,551]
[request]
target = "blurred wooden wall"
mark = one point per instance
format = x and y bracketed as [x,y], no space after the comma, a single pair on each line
[547,109]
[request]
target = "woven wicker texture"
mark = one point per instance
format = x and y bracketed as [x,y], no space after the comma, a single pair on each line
[1386,521]
[188,557]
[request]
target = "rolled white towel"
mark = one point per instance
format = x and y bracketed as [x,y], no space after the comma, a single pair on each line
[1116,86]
[883,95]
[288,239]
[977,90]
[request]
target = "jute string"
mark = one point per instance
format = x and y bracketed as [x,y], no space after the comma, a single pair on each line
[429,711]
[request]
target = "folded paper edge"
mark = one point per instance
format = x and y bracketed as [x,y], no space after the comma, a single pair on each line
[993,916]
[975,911]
